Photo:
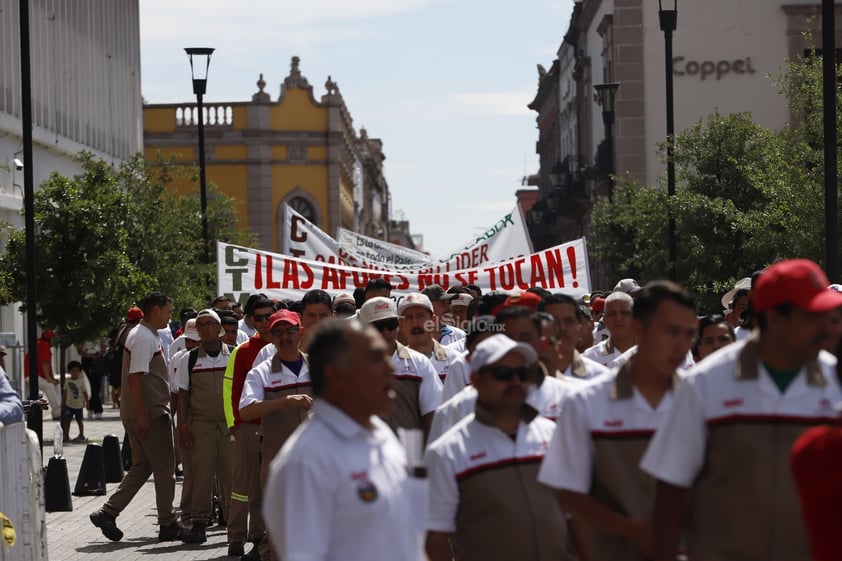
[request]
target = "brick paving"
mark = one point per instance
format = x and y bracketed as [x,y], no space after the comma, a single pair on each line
[72,537]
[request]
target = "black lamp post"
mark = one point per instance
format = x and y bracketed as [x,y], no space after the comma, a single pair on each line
[34,420]
[668,20]
[200,82]
[605,96]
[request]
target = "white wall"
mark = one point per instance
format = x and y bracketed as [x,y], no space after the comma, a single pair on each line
[714,31]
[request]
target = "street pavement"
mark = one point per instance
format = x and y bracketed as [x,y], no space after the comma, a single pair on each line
[72,537]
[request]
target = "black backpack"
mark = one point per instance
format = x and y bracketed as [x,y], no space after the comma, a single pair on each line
[113,360]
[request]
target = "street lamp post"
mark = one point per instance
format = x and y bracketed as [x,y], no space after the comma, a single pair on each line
[605,96]
[668,20]
[200,82]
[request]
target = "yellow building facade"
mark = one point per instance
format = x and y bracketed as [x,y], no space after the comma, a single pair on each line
[296,150]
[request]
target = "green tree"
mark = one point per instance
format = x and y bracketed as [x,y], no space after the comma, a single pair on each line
[744,198]
[85,276]
[106,237]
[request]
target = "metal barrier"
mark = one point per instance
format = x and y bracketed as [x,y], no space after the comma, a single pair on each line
[21,494]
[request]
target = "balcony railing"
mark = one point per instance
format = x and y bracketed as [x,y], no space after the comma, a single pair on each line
[215,115]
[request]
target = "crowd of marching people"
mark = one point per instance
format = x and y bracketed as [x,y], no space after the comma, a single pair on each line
[451,424]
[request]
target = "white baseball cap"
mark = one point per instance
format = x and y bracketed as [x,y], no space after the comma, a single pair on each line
[494,348]
[626,285]
[377,309]
[461,299]
[190,331]
[415,299]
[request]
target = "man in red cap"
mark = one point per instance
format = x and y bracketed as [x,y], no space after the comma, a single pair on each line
[46,381]
[278,391]
[728,435]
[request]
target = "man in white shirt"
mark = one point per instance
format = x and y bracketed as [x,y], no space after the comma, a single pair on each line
[416,329]
[725,445]
[417,387]
[571,364]
[605,426]
[339,490]
[617,318]
[145,412]
[485,499]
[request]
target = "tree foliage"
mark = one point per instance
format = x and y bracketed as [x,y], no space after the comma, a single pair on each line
[745,197]
[106,237]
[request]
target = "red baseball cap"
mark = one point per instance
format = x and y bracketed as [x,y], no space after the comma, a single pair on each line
[598,305]
[527,299]
[799,282]
[287,316]
[134,314]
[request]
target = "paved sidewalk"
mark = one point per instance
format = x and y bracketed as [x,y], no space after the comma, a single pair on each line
[72,537]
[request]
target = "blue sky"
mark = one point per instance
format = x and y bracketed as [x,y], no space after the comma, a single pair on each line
[443,83]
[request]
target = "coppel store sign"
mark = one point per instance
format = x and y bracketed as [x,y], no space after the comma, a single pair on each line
[704,69]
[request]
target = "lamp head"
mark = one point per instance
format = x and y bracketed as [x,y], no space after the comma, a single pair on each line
[197,72]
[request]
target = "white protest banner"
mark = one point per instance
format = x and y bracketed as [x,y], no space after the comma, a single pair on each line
[508,238]
[242,271]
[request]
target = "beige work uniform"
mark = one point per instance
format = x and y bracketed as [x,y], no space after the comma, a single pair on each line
[211,455]
[155,454]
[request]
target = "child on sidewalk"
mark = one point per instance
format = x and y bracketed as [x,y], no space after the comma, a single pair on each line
[74,399]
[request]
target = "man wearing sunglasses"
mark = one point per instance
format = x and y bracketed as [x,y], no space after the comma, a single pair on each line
[279,392]
[417,384]
[245,522]
[485,499]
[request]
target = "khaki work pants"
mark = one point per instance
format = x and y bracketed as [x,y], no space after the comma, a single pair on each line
[245,522]
[153,456]
[210,457]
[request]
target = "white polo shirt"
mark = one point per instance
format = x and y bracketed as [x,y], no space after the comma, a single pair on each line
[268,351]
[546,399]
[172,368]
[604,353]
[450,335]
[413,366]
[449,362]
[598,409]
[483,490]
[712,395]
[470,447]
[261,379]
[244,327]
[176,346]
[583,368]
[729,437]
[689,361]
[340,492]
[456,381]
[207,362]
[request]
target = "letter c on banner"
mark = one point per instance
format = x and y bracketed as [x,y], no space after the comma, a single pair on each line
[295,234]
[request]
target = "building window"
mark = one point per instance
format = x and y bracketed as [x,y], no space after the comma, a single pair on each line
[303,207]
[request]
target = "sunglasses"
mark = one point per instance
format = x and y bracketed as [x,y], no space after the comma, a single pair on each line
[262,317]
[386,325]
[506,373]
[286,330]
